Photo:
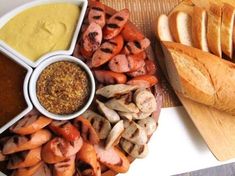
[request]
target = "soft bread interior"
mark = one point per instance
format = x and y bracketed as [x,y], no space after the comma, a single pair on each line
[163,30]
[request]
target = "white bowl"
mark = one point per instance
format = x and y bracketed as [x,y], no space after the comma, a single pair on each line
[36,74]
[4,19]
[25,89]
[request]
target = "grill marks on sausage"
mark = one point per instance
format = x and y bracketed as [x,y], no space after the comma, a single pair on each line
[113,26]
[136,133]
[137,44]
[98,9]
[92,36]
[106,50]
[119,18]
[97,17]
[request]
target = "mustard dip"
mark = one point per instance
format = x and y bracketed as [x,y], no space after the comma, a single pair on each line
[41,29]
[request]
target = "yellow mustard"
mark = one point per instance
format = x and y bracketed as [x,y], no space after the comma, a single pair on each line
[41,29]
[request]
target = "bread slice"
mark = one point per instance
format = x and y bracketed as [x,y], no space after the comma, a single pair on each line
[228,13]
[163,30]
[201,76]
[199,23]
[181,27]
[213,29]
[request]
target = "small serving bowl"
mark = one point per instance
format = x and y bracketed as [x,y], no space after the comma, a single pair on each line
[38,71]
[25,88]
[7,17]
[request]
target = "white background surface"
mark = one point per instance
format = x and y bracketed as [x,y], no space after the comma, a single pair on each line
[175,147]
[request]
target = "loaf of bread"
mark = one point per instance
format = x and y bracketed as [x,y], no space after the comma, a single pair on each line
[201,76]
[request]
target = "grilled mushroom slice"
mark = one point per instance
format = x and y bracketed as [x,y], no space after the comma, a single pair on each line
[145,100]
[149,124]
[134,150]
[115,90]
[121,105]
[114,134]
[110,114]
[135,134]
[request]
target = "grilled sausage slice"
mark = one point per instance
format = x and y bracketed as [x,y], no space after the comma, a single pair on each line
[107,51]
[112,158]
[135,134]
[110,114]
[149,124]
[91,40]
[65,168]
[28,171]
[25,159]
[88,132]
[137,47]
[145,81]
[145,100]
[130,33]
[20,143]
[114,134]
[97,14]
[65,129]
[58,149]
[87,160]
[109,77]
[122,63]
[116,23]
[121,105]
[115,90]
[100,124]
[30,124]
[134,150]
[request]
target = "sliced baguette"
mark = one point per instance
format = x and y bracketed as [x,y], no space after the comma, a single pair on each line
[227,29]
[213,29]
[201,76]
[199,22]
[163,30]
[181,27]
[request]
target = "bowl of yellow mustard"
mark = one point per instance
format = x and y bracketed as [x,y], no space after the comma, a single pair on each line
[40,29]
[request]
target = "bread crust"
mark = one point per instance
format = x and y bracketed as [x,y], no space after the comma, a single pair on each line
[213,29]
[201,76]
[173,26]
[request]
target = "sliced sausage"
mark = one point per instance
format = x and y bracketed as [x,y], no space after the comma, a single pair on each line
[145,101]
[112,158]
[100,124]
[116,23]
[58,149]
[109,77]
[43,171]
[114,134]
[28,171]
[115,90]
[97,14]
[30,124]
[149,125]
[110,114]
[88,132]
[145,81]
[137,46]
[65,168]
[130,33]
[121,105]
[91,40]
[25,159]
[87,160]
[65,129]
[134,150]
[3,140]
[135,134]
[107,51]
[122,63]
[20,143]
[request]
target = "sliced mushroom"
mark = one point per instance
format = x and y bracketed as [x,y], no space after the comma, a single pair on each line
[135,134]
[114,134]
[115,90]
[141,115]
[149,124]
[134,150]
[125,115]
[101,125]
[121,105]
[110,114]
[145,100]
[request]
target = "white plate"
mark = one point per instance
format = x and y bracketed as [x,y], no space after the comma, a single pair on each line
[4,19]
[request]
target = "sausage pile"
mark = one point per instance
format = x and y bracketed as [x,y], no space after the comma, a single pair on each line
[114,48]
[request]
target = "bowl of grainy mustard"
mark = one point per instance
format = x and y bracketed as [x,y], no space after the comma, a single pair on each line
[62,87]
